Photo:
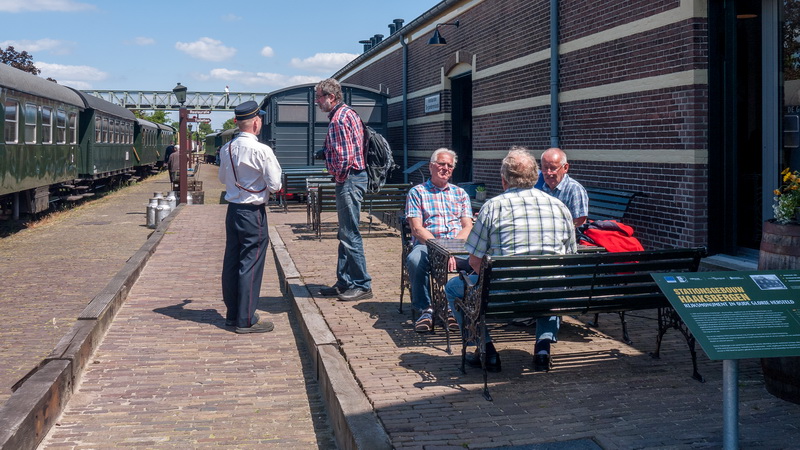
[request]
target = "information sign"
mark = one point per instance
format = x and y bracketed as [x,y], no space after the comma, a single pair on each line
[199,111]
[738,314]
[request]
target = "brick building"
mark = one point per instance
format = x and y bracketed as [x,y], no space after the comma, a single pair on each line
[678,99]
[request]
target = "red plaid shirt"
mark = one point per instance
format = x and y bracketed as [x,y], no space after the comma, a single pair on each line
[344,144]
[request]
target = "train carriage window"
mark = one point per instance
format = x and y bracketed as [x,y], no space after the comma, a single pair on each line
[98,128]
[105,131]
[47,125]
[61,126]
[11,121]
[30,122]
[130,133]
[73,128]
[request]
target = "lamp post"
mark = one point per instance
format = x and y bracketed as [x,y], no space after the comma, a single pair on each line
[180,96]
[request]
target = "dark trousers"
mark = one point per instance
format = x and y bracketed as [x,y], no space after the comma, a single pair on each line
[243,265]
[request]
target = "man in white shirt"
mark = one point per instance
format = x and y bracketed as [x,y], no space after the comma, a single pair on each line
[250,171]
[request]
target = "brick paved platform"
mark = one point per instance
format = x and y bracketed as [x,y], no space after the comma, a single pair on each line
[168,374]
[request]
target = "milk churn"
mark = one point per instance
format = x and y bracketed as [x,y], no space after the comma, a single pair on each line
[151,213]
[157,195]
[172,200]
[162,210]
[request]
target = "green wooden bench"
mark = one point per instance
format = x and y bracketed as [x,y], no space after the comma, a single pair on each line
[604,204]
[392,197]
[609,204]
[293,182]
[542,286]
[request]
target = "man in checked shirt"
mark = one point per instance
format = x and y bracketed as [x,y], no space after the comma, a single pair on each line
[435,209]
[344,158]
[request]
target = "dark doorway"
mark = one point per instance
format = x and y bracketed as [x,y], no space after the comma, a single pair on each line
[735,99]
[462,126]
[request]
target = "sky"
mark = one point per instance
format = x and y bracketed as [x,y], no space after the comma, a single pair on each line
[205,45]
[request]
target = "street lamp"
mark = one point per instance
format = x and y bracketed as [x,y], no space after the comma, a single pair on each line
[180,96]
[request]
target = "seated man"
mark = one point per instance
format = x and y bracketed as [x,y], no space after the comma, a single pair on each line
[559,184]
[521,221]
[435,209]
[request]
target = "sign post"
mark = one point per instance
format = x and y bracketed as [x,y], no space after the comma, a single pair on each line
[736,315]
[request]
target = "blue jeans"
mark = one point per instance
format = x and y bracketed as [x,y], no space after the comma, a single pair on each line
[546,327]
[418,274]
[351,266]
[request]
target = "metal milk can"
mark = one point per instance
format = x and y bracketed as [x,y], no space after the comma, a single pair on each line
[162,210]
[151,213]
[172,200]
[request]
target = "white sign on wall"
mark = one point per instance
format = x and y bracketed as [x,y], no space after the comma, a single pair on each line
[432,103]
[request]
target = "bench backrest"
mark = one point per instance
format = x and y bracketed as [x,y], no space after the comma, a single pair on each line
[528,286]
[392,197]
[605,204]
[294,180]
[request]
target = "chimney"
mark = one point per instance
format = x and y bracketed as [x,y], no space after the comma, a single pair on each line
[367,44]
[391,29]
[398,23]
[378,38]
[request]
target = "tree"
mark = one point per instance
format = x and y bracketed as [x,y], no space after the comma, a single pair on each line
[159,116]
[22,61]
[230,123]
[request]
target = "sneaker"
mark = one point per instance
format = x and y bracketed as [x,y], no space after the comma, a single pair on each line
[424,323]
[332,291]
[452,323]
[355,294]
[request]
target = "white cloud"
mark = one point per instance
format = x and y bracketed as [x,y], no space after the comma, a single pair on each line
[141,40]
[324,62]
[79,77]
[231,17]
[52,45]
[259,80]
[15,6]
[207,49]
[267,52]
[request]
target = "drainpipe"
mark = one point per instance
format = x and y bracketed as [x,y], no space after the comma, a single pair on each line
[405,107]
[554,137]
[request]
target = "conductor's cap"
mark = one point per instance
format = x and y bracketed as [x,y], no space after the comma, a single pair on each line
[248,110]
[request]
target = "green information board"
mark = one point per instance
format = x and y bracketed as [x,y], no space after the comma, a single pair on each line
[738,315]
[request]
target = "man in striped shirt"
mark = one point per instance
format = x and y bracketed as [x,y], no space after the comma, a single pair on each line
[344,158]
[435,209]
[521,221]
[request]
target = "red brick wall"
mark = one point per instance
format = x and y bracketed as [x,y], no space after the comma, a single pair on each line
[673,211]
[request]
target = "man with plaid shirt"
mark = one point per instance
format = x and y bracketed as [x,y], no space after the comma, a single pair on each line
[520,221]
[344,158]
[435,209]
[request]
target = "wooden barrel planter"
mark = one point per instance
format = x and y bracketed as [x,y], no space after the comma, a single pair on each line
[780,249]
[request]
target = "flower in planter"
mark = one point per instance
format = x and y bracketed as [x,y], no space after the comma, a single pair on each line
[787,197]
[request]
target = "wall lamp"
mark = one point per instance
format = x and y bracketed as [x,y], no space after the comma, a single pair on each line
[437,38]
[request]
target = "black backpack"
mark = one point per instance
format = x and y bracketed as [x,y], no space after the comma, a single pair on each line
[378,158]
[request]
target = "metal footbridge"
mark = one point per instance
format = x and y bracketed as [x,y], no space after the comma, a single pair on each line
[166,100]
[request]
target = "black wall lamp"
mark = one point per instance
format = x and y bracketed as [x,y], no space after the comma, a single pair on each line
[437,38]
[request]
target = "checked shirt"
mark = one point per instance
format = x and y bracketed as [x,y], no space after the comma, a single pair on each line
[522,222]
[441,210]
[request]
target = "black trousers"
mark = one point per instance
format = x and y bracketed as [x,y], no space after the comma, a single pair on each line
[243,265]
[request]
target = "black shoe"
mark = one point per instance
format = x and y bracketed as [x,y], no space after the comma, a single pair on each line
[262,326]
[332,291]
[542,362]
[492,361]
[355,294]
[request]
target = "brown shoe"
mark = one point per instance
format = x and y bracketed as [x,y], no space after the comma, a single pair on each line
[262,326]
